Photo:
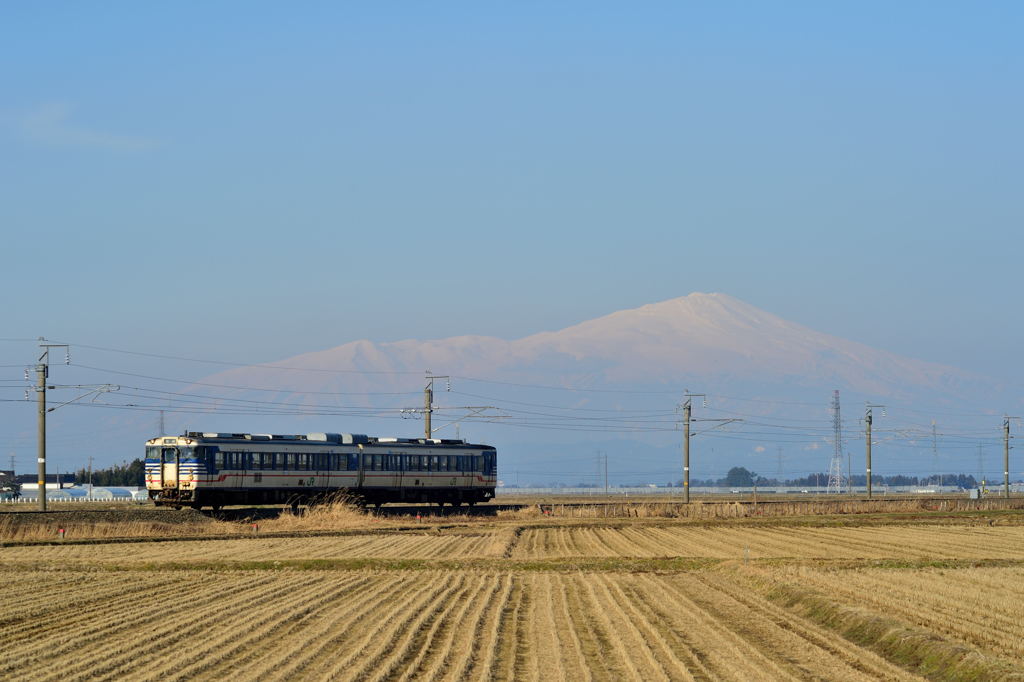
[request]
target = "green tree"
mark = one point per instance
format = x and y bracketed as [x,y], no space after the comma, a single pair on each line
[127,473]
[739,477]
[9,487]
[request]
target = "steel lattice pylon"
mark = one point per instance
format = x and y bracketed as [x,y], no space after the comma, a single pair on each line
[835,467]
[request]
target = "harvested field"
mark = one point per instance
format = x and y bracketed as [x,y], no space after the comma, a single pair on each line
[522,597]
[423,545]
[979,606]
[477,625]
[966,542]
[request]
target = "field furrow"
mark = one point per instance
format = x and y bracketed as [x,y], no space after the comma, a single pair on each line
[161,645]
[820,653]
[956,603]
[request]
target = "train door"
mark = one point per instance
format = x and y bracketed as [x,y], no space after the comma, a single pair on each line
[169,467]
[243,463]
[323,469]
[401,462]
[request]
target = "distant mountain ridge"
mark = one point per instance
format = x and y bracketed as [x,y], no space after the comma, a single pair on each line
[708,338]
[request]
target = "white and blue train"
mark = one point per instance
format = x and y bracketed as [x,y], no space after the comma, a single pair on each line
[216,469]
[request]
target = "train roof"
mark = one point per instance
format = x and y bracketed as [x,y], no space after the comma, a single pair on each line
[324,438]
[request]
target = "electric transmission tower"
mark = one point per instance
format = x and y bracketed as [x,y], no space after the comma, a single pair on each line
[835,467]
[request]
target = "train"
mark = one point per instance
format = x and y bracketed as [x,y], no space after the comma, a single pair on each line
[201,469]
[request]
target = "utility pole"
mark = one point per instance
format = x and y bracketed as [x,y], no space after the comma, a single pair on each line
[867,441]
[428,407]
[686,449]
[42,373]
[687,413]
[606,475]
[90,471]
[428,401]
[1006,456]
[935,457]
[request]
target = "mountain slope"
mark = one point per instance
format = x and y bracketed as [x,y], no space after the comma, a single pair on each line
[705,338]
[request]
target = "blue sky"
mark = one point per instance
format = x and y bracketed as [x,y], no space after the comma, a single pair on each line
[250,181]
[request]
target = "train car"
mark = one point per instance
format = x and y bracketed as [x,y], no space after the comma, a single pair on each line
[216,469]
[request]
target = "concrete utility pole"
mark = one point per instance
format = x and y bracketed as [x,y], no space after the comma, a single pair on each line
[867,441]
[428,402]
[1006,457]
[428,407]
[42,374]
[687,412]
[606,475]
[686,450]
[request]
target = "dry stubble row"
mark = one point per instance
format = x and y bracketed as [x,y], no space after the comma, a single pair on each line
[452,625]
[980,607]
[383,546]
[965,542]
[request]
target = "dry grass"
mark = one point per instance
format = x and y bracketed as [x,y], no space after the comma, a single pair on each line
[48,531]
[340,513]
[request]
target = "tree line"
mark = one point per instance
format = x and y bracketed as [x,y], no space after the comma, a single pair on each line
[740,477]
[131,474]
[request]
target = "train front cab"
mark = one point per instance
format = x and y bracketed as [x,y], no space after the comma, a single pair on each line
[171,473]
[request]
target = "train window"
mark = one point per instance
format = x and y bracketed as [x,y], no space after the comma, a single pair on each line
[378,462]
